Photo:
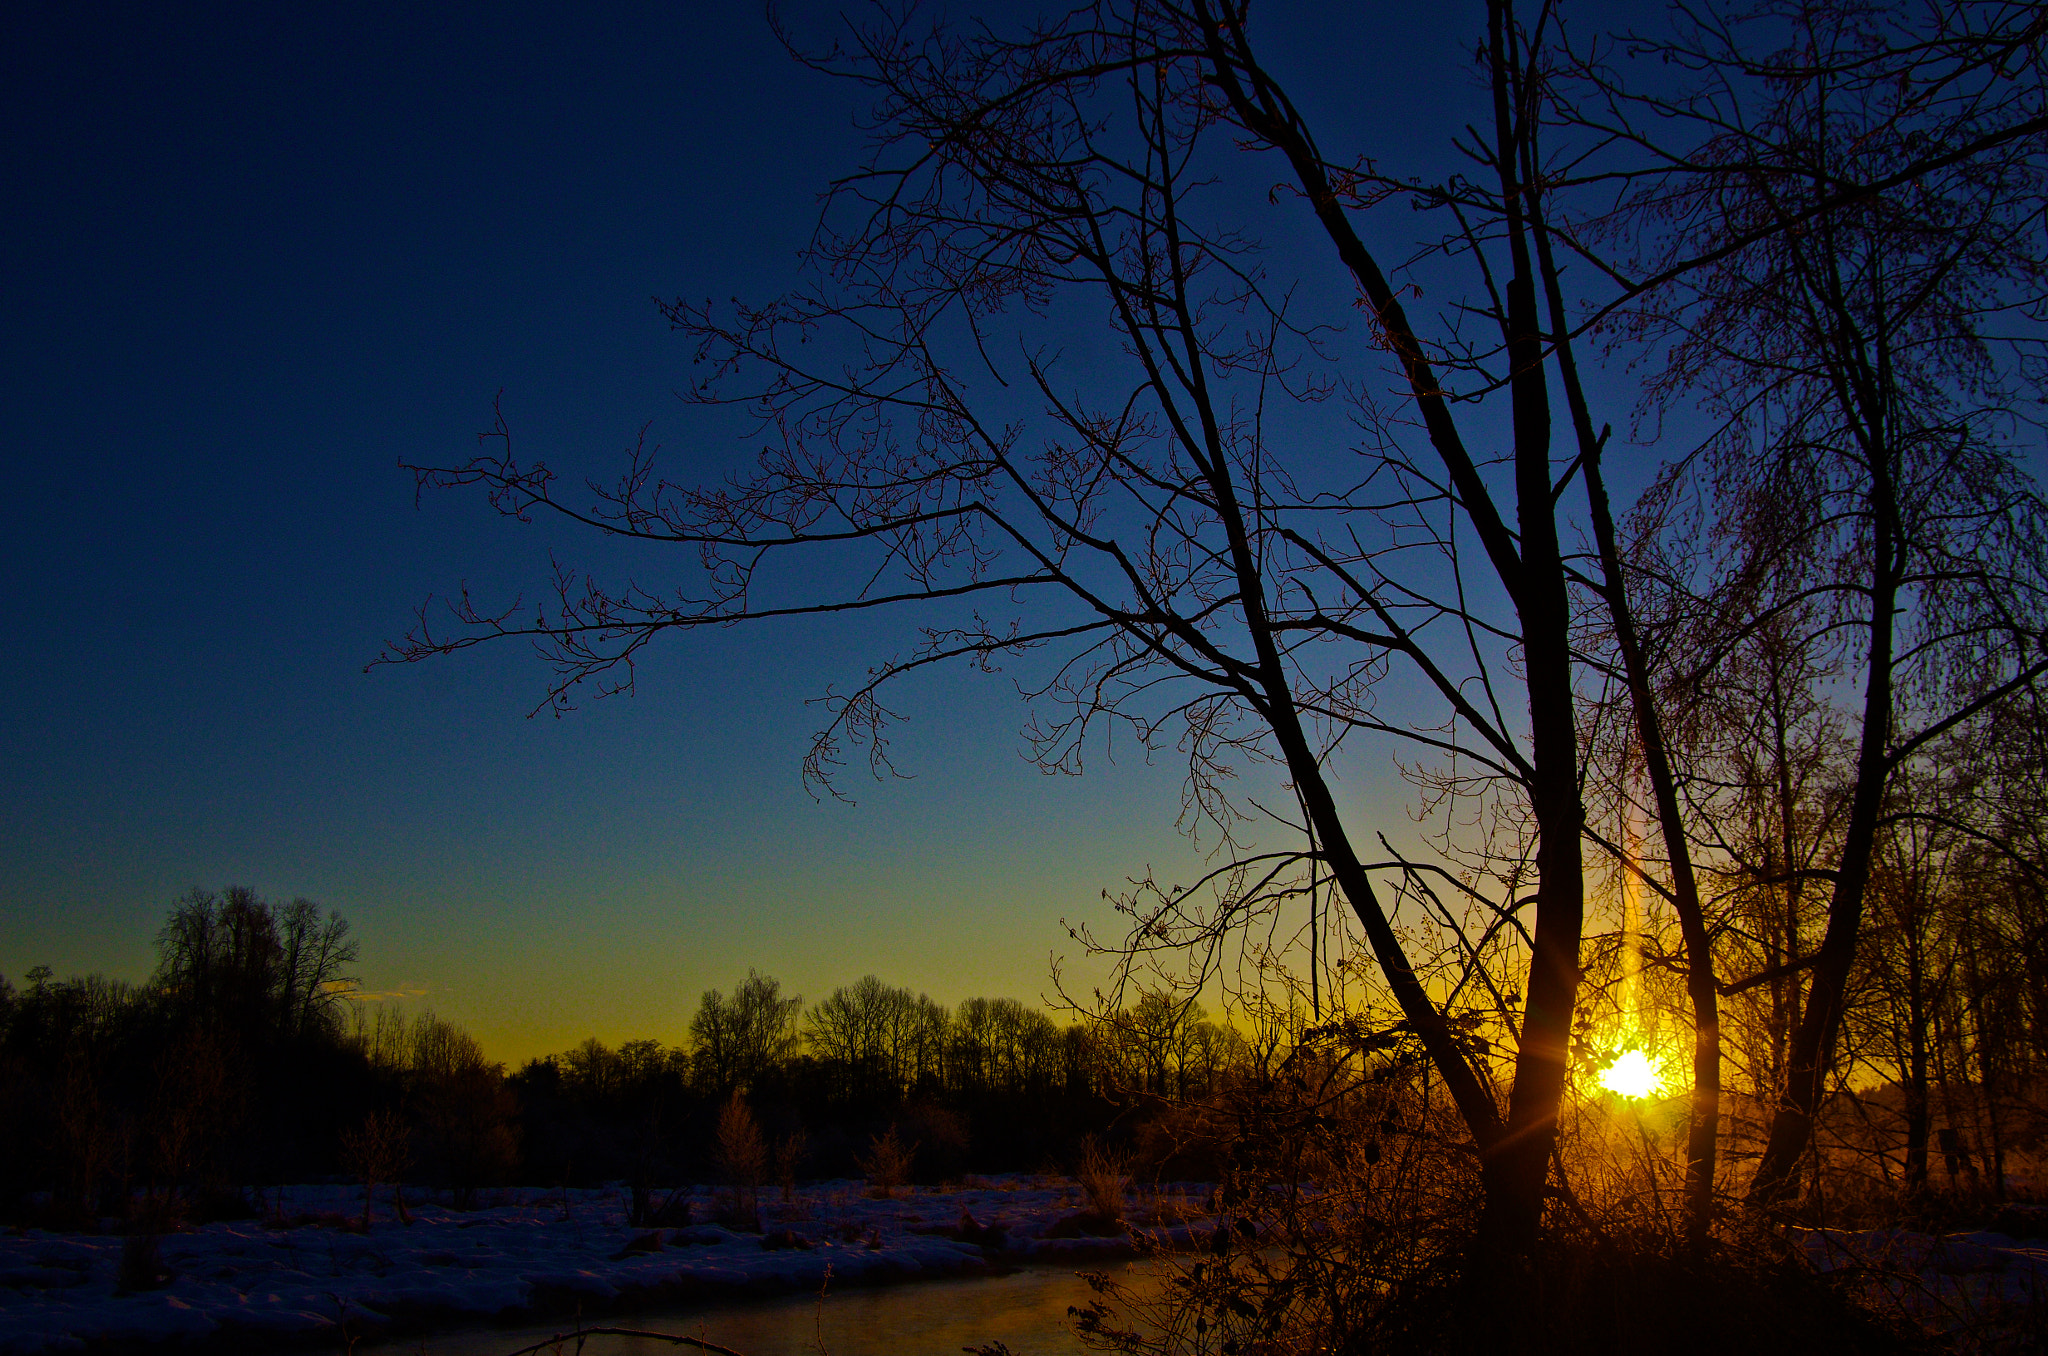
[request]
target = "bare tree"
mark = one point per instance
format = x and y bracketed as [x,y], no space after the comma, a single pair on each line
[1041,388]
[1195,580]
[466,1115]
[378,1151]
[315,954]
[263,970]
[867,1031]
[1843,267]
[740,1038]
[743,1161]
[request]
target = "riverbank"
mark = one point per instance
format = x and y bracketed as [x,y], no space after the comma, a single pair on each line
[308,1277]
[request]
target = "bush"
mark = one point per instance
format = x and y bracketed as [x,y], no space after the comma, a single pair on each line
[378,1151]
[1101,1178]
[743,1161]
[887,1163]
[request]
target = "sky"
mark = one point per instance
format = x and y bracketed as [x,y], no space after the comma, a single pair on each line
[256,256]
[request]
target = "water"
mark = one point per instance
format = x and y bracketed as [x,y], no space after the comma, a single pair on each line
[1026,1310]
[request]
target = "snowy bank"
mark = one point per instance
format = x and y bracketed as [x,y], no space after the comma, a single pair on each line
[1949,1284]
[308,1277]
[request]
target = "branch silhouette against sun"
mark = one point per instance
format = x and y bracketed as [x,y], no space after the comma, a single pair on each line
[1195,577]
[1041,401]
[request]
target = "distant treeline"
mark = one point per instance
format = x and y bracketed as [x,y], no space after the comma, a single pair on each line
[248,1060]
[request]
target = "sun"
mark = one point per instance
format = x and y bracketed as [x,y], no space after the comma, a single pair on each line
[1632,1075]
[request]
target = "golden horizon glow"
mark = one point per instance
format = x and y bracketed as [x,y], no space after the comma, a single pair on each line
[1632,1074]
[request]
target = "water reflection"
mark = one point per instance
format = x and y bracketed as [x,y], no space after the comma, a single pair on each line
[1025,1310]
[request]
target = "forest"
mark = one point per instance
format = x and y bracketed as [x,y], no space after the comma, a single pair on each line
[249,1060]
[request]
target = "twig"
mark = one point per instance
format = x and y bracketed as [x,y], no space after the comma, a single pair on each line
[818,1313]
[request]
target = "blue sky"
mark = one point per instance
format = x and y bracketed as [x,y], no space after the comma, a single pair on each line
[256,256]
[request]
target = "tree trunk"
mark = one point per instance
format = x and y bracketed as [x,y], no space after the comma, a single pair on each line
[1813,1043]
[1989,1050]
[1916,1064]
[1703,1132]
[1516,1170]
[1514,1157]
[1519,1165]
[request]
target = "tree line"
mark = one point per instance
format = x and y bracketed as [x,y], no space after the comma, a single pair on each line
[250,1059]
[987,1084]
[1943,1038]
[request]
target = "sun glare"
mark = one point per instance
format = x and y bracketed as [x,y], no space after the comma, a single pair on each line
[1631,1075]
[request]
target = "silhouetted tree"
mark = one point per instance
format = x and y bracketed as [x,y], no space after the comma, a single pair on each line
[467,1117]
[1832,266]
[263,972]
[1160,528]
[867,1031]
[739,1039]
[1196,578]
[315,955]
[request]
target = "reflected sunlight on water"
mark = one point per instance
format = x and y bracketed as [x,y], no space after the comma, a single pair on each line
[1026,1310]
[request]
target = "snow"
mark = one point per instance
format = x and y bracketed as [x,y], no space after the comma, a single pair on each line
[1948,1283]
[248,1283]
[269,1285]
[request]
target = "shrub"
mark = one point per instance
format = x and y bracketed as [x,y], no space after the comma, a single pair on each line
[790,1154]
[887,1162]
[743,1161]
[377,1151]
[1101,1177]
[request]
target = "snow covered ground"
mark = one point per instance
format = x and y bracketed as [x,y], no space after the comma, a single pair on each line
[308,1278]
[1959,1284]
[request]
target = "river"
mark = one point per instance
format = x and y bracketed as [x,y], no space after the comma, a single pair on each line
[1026,1310]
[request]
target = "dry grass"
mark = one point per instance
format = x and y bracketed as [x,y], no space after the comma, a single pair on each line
[887,1163]
[743,1161]
[1100,1175]
[378,1152]
[1347,1212]
[1159,1208]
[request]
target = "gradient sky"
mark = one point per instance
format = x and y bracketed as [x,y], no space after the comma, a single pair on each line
[255,255]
